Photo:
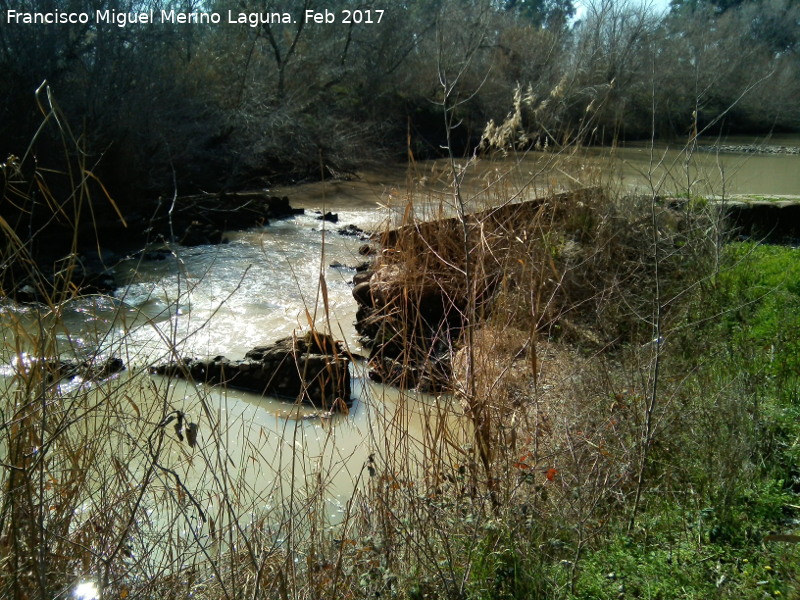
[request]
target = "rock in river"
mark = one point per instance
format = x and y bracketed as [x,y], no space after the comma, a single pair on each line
[312,369]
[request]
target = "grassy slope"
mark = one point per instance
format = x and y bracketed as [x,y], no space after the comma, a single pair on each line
[711,543]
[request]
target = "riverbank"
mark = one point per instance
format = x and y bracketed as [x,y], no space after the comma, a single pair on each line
[85,249]
[751,149]
[624,356]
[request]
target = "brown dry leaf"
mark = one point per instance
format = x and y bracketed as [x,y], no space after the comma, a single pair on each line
[191,434]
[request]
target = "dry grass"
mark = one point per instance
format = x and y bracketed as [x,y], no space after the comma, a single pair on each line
[543,327]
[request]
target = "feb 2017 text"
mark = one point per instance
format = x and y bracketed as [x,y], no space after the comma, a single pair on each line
[349,17]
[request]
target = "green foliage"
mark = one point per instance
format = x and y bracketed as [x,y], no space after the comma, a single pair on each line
[727,462]
[732,454]
[503,568]
[761,295]
[666,567]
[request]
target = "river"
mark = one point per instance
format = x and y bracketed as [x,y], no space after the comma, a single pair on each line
[266,284]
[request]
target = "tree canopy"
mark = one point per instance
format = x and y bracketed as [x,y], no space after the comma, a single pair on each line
[217,105]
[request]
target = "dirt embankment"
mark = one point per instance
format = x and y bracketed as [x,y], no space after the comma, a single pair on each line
[431,279]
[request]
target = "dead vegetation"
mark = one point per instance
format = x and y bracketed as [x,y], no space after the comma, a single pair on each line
[572,266]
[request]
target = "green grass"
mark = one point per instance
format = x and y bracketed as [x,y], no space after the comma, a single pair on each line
[664,568]
[710,542]
[762,291]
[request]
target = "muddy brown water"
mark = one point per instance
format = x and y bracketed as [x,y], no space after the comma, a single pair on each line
[667,168]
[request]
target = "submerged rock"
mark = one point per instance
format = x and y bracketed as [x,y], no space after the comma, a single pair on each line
[352,230]
[329,217]
[312,369]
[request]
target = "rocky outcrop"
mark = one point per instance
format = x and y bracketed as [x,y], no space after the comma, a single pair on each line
[202,219]
[312,369]
[408,328]
[412,303]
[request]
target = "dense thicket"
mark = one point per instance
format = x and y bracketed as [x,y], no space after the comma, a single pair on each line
[214,106]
